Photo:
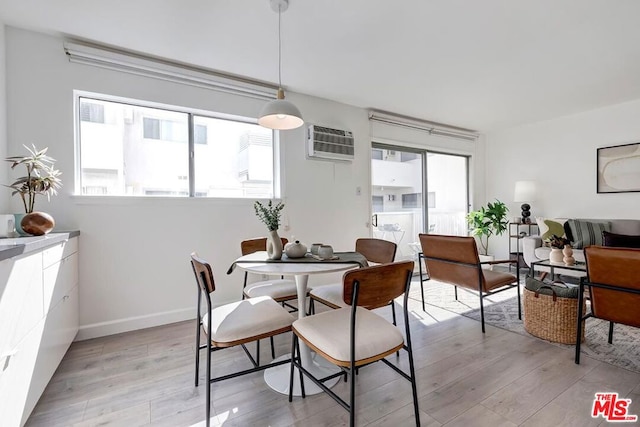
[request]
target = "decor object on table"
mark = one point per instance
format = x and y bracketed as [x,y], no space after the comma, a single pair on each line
[270,215]
[488,221]
[567,253]
[555,255]
[41,178]
[618,168]
[314,248]
[280,114]
[525,191]
[325,252]
[295,249]
[557,244]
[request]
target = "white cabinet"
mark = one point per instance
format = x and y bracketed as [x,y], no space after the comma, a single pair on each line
[38,322]
[16,377]
[21,303]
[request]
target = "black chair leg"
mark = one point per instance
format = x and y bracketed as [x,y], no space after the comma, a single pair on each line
[519,304]
[482,313]
[273,349]
[312,306]
[610,332]
[455,291]
[197,350]
[393,315]
[291,371]
[580,320]
[208,391]
[352,398]
[414,387]
[302,392]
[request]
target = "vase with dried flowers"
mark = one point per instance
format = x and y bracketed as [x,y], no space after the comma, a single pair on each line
[270,216]
[41,178]
[557,244]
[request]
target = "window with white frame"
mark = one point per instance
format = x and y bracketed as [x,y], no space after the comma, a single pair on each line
[144,151]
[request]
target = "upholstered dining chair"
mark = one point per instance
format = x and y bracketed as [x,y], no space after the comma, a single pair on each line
[454,260]
[354,336]
[613,281]
[233,324]
[376,251]
[281,290]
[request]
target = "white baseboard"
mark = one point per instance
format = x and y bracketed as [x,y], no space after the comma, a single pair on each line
[102,329]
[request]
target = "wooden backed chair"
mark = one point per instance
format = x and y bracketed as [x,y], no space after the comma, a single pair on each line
[613,280]
[354,336]
[281,290]
[374,250]
[454,260]
[233,324]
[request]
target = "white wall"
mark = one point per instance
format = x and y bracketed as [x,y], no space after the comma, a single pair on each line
[134,253]
[560,155]
[4,166]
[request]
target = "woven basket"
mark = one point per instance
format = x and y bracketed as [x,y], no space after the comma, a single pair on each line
[551,320]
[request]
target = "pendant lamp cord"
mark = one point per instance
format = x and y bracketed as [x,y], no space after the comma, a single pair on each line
[279,46]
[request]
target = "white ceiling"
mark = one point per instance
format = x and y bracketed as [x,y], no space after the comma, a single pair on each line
[478,64]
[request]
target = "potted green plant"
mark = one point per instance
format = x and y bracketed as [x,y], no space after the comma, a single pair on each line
[41,178]
[270,216]
[488,221]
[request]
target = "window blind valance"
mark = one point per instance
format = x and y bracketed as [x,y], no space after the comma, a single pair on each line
[132,63]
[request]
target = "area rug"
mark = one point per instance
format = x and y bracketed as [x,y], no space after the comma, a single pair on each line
[501,310]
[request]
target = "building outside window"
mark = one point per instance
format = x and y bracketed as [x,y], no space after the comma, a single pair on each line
[127,148]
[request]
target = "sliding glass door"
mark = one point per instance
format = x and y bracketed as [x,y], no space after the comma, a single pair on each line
[400,208]
[447,194]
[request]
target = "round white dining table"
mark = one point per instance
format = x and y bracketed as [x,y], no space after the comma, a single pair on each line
[278,377]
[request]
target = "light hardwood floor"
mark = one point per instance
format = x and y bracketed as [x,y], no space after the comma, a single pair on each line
[465,378]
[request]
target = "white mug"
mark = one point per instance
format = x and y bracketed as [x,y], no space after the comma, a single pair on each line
[314,248]
[7,225]
[325,252]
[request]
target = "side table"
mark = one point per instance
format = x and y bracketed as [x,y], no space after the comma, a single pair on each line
[516,234]
[579,267]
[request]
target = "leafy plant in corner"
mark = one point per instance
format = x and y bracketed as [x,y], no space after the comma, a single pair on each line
[269,214]
[42,177]
[488,221]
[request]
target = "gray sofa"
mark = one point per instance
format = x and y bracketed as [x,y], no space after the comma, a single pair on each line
[533,250]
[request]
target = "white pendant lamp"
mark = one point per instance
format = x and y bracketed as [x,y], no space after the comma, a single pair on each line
[279,113]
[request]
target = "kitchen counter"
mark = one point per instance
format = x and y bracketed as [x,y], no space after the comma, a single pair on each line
[14,246]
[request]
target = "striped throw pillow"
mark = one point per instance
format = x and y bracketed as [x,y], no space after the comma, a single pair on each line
[587,233]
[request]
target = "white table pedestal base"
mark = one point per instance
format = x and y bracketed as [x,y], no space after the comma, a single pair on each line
[278,377]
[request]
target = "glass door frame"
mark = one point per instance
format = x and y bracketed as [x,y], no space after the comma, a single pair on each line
[423,158]
[467,171]
[423,152]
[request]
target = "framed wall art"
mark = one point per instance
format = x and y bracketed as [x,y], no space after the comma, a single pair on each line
[619,168]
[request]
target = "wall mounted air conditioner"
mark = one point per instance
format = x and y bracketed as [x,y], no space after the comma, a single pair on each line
[329,144]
